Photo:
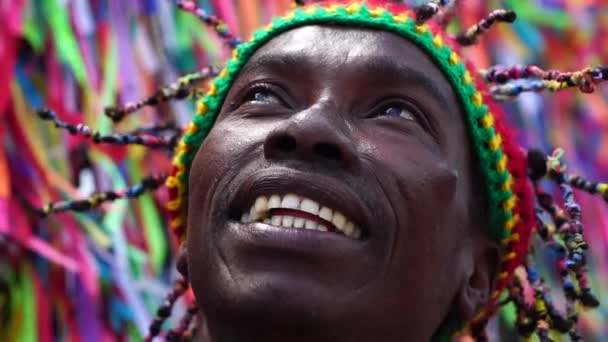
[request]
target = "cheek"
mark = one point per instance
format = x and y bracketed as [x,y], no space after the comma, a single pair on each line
[425,196]
[424,259]
[222,150]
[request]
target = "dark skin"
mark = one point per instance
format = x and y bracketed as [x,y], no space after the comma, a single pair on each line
[364,121]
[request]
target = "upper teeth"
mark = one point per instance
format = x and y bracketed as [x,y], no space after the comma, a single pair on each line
[260,212]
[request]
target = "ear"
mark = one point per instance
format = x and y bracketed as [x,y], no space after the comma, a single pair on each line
[182,260]
[479,280]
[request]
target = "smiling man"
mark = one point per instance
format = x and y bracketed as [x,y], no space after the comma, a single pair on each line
[344,181]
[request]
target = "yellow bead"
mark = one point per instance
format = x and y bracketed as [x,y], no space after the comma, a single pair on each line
[212,90]
[223,73]
[400,19]
[177,222]
[192,128]
[376,12]
[501,166]
[353,8]
[509,257]
[508,184]
[511,223]
[495,142]
[602,188]
[506,241]
[175,204]
[454,59]
[477,99]
[201,108]
[183,148]
[438,41]
[509,204]
[311,10]
[171,182]
[332,9]
[487,121]
[467,79]
[420,29]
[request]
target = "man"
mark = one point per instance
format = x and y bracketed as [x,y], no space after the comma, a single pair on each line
[337,196]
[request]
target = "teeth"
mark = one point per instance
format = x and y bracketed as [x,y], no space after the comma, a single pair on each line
[338,220]
[311,224]
[326,214]
[290,201]
[309,206]
[276,220]
[348,229]
[274,202]
[288,221]
[261,205]
[260,212]
[253,215]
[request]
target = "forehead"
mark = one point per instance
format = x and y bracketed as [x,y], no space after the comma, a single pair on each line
[351,50]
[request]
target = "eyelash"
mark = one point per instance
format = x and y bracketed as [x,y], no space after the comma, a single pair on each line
[265,89]
[382,109]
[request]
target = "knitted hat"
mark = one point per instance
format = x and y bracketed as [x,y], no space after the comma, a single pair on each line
[501,161]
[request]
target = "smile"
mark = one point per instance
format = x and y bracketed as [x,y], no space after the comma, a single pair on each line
[293,211]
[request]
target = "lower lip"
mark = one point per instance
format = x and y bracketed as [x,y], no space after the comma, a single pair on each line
[258,235]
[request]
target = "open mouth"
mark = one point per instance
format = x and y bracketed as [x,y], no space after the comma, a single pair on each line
[297,212]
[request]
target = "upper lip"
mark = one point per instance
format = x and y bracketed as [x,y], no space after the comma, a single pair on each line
[327,191]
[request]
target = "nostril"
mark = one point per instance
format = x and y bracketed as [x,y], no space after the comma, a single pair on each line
[328,151]
[286,143]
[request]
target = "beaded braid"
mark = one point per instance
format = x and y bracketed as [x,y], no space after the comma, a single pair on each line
[185,329]
[144,139]
[169,127]
[444,17]
[540,80]
[164,311]
[570,249]
[426,11]
[150,183]
[211,21]
[181,89]
[470,36]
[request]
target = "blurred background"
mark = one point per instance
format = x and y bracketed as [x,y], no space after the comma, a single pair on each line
[101,274]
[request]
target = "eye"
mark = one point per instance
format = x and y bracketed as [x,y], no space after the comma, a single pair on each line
[262,94]
[397,110]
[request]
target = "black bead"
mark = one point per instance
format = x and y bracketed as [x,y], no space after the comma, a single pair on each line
[155,326]
[588,299]
[537,164]
[164,310]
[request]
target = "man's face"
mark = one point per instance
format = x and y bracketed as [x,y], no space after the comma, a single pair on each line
[354,131]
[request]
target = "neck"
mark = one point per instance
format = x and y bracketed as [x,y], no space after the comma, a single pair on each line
[265,328]
[261,330]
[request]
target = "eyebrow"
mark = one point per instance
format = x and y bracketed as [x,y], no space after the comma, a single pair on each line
[383,66]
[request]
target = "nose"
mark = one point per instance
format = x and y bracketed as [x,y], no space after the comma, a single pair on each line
[312,136]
